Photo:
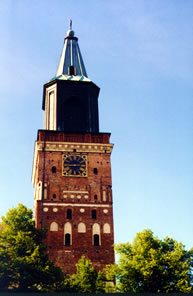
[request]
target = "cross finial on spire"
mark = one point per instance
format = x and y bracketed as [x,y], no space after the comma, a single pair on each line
[70,24]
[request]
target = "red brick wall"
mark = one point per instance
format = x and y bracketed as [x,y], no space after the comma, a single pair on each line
[56,136]
[82,243]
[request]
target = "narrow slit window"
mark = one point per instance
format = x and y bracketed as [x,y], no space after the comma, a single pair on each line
[69,214]
[67,239]
[96,240]
[94,214]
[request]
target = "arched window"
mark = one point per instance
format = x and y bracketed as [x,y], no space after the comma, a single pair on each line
[81,227]
[67,234]
[53,169]
[53,226]
[96,234]
[96,240]
[94,214]
[67,239]
[106,228]
[69,214]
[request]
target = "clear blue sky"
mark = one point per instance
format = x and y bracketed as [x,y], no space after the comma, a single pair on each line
[139,52]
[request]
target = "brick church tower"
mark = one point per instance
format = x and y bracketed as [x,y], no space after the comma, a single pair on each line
[72,168]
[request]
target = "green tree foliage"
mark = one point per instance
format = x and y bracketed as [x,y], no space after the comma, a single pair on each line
[110,272]
[23,262]
[87,279]
[153,265]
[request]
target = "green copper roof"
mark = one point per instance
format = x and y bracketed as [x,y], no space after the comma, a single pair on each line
[71,57]
[72,78]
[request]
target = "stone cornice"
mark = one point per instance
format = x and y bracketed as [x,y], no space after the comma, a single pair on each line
[70,146]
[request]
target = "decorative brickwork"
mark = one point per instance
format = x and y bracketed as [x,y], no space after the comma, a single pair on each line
[72,207]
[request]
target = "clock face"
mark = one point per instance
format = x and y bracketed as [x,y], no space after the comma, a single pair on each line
[74,165]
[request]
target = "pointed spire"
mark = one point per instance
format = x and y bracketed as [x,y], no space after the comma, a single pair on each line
[70,24]
[71,62]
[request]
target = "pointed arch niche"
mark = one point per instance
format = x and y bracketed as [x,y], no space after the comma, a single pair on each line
[96,238]
[68,234]
[81,227]
[53,226]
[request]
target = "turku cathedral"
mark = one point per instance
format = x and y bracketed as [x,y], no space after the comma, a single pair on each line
[72,168]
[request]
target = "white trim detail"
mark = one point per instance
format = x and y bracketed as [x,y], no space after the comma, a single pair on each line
[68,191]
[76,205]
[53,226]
[106,228]
[81,227]
[70,146]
